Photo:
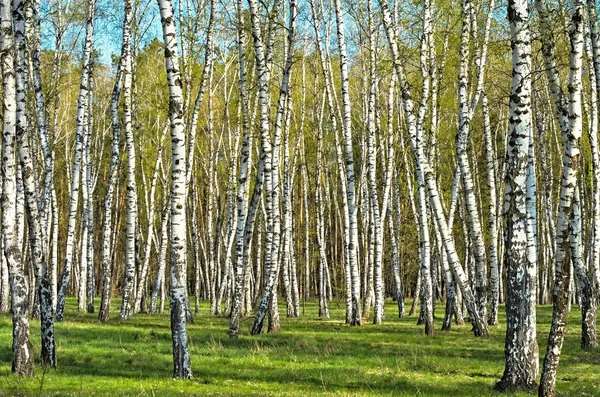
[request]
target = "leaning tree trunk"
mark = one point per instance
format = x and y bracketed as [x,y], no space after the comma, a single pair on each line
[76,171]
[521,349]
[181,356]
[479,324]
[22,349]
[584,283]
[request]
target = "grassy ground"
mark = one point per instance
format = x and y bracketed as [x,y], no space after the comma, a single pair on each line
[308,357]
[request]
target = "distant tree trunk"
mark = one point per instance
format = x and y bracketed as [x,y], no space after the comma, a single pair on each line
[584,283]
[320,220]
[88,188]
[272,182]
[140,293]
[465,117]
[181,356]
[240,267]
[76,172]
[85,196]
[107,243]
[340,157]
[159,284]
[490,158]
[22,349]
[372,177]
[479,324]
[350,177]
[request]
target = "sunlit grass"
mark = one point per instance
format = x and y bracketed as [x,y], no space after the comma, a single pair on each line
[309,356]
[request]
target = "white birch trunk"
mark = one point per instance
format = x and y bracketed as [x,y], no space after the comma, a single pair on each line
[570,118]
[107,244]
[594,27]
[22,349]
[480,326]
[271,165]
[240,267]
[76,171]
[140,293]
[181,356]
[521,349]
[131,186]
[159,283]
[584,283]
[350,177]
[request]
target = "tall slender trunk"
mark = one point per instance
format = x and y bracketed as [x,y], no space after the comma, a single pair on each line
[113,179]
[76,171]
[465,116]
[22,349]
[240,267]
[178,239]
[570,119]
[350,177]
[159,283]
[490,159]
[131,186]
[272,240]
[140,293]
[584,283]
[479,325]
[594,26]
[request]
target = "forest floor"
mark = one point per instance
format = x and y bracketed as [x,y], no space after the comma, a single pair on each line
[309,357]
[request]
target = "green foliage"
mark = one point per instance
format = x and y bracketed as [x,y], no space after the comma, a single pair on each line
[309,357]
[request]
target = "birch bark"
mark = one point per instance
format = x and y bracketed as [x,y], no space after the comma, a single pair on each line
[131,187]
[103,314]
[350,177]
[479,325]
[22,349]
[521,349]
[181,356]
[76,171]
[570,120]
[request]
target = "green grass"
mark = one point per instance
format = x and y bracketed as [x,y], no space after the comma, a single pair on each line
[309,357]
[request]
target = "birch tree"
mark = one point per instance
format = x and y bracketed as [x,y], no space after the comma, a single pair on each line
[37,242]
[521,349]
[22,349]
[241,255]
[479,325]
[178,238]
[272,204]
[76,171]
[354,279]
[132,204]
[570,118]
[103,314]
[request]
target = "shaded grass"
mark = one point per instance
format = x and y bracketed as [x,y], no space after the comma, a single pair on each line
[310,356]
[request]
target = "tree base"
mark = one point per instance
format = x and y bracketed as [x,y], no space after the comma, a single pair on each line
[505,386]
